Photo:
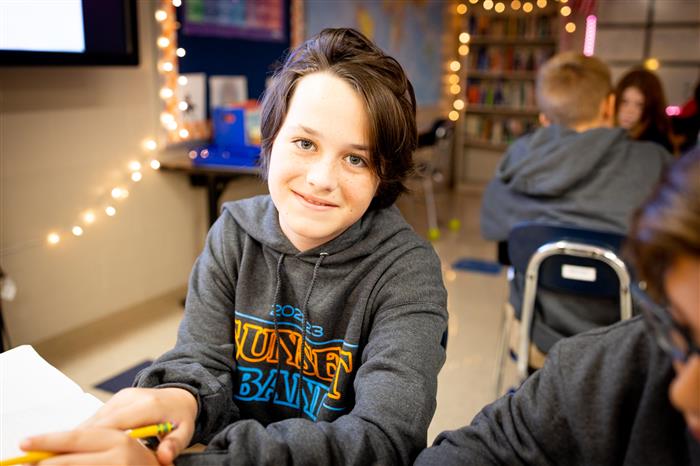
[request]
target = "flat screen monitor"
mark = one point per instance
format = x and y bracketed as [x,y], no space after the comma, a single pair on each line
[68,32]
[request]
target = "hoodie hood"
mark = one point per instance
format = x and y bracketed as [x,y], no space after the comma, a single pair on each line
[534,165]
[259,218]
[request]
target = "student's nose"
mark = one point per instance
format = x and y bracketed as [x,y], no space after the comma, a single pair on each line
[322,174]
[685,386]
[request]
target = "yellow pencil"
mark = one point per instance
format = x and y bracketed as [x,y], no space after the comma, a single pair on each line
[140,432]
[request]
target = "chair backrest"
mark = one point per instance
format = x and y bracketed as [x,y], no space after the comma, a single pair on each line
[565,272]
[567,260]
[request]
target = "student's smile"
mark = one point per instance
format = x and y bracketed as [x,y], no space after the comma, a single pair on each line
[313,202]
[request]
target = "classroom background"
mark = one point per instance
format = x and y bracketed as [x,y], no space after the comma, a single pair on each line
[107,186]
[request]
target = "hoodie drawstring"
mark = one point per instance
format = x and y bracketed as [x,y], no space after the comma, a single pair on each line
[278,286]
[304,319]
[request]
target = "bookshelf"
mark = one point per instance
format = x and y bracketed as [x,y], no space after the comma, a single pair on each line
[504,52]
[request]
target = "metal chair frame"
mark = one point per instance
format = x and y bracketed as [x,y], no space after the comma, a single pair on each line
[568,248]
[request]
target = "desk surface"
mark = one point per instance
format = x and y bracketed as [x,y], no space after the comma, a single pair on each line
[185,165]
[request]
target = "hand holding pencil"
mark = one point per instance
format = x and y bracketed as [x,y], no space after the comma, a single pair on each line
[101,440]
[91,446]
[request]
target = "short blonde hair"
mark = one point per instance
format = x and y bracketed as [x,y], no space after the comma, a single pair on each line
[571,88]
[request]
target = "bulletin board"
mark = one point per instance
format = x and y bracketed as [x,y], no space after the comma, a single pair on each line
[410,31]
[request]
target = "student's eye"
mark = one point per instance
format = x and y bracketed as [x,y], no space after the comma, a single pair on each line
[356,161]
[304,144]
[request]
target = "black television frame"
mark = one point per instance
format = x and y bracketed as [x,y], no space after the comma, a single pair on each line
[129,58]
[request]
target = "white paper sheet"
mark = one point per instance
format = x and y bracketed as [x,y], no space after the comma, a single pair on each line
[35,398]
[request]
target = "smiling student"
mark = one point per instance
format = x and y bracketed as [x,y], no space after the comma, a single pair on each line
[314,315]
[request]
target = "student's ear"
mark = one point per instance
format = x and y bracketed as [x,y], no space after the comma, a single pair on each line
[607,110]
[544,121]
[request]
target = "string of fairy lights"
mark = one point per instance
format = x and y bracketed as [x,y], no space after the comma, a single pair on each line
[454,86]
[171,120]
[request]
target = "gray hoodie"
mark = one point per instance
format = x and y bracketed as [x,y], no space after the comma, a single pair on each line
[600,400]
[370,305]
[595,179]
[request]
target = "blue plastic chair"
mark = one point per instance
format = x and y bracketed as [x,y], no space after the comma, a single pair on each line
[565,259]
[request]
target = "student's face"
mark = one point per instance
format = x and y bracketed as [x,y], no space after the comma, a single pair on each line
[631,106]
[319,176]
[682,284]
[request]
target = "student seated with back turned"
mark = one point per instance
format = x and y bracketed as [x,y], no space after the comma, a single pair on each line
[314,316]
[628,394]
[577,170]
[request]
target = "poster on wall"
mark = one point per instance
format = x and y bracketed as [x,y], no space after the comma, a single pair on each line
[243,19]
[191,93]
[410,31]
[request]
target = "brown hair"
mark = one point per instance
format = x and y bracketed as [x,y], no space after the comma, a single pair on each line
[654,110]
[571,87]
[381,83]
[668,225]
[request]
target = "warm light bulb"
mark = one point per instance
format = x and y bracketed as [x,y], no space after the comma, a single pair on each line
[500,7]
[77,231]
[166,118]
[570,27]
[155,164]
[488,4]
[150,144]
[565,10]
[161,15]
[110,211]
[527,7]
[461,8]
[89,217]
[163,42]
[177,3]
[53,238]
[453,78]
[455,65]
[182,80]
[463,50]
[171,125]
[652,64]
[464,37]
[136,177]
[167,66]
[542,3]
[183,105]
[515,5]
[116,193]
[458,104]
[184,134]
[134,166]
[166,93]
[473,2]
[455,89]
[453,115]
[180,52]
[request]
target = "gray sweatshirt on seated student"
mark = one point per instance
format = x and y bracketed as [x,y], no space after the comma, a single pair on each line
[600,399]
[371,307]
[594,179]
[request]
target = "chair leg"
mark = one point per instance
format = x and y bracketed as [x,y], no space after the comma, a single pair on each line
[503,344]
[431,211]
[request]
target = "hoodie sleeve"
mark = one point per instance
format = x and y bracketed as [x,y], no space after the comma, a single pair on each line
[395,386]
[202,360]
[578,409]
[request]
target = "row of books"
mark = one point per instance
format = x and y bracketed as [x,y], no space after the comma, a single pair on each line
[507,58]
[497,130]
[514,94]
[530,26]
